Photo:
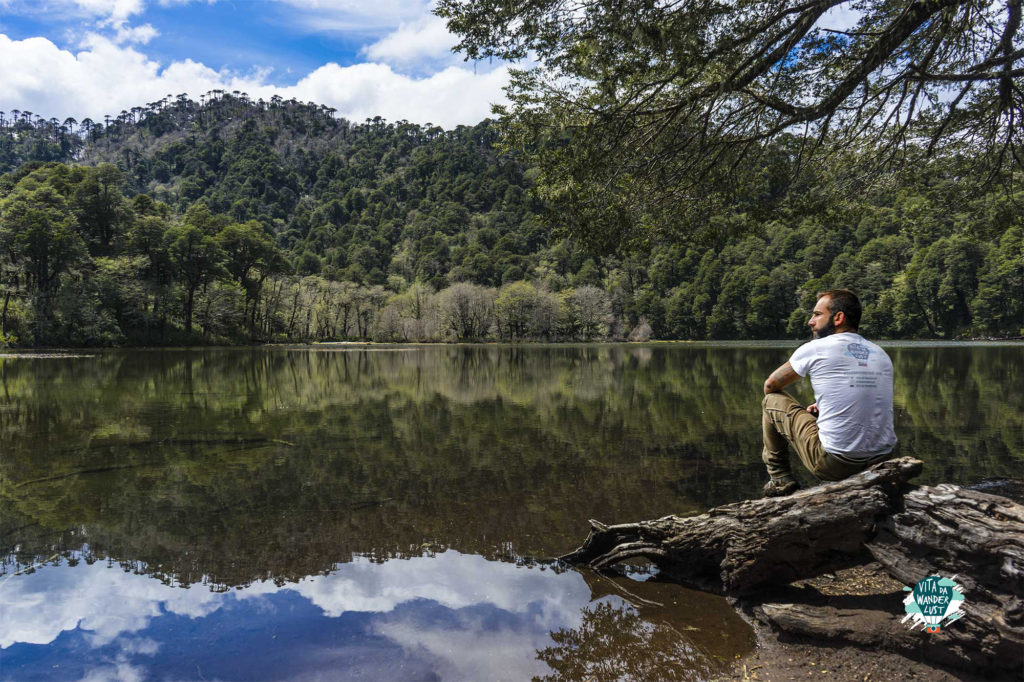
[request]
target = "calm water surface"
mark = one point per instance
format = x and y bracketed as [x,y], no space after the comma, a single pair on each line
[342,512]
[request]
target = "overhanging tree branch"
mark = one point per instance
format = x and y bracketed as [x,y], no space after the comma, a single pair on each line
[683,93]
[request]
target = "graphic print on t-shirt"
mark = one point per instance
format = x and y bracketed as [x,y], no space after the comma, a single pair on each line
[860,352]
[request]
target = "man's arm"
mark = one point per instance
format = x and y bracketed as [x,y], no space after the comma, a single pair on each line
[780,378]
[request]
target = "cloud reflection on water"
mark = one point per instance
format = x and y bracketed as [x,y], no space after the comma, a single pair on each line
[450,616]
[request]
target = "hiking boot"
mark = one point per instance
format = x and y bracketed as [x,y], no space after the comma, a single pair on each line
[780,487]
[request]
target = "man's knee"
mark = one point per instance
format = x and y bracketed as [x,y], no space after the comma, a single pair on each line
[776,401]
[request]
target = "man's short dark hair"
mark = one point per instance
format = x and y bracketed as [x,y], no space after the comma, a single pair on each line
[846,302]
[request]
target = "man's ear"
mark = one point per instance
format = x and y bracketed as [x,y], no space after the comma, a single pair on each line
[839,319]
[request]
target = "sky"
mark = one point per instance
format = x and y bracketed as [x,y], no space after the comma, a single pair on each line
[365,58]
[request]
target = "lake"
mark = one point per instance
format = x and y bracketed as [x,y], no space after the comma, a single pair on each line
[390,513]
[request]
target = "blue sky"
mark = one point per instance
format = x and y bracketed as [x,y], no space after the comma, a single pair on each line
[365,58]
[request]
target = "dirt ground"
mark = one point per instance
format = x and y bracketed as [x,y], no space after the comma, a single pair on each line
[788,657]
[804,661]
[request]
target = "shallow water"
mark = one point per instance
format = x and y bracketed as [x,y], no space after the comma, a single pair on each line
[342,512]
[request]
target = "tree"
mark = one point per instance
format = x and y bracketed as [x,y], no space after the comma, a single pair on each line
[414,313]
[592,310]
[250,257]
[37,235]
[100,208]
[999,304]
[516,307]
[196,257]
[466,310]
[642,113]
[120,285]
[368,302]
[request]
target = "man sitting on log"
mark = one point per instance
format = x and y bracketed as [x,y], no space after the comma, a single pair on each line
[849,426]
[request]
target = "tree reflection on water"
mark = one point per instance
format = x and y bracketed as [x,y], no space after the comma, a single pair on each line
[614,643]
[646,630]
[236,465]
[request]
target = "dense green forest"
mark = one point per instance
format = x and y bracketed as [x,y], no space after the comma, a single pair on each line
[230,220]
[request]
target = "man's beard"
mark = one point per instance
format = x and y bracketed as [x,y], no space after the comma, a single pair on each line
[830,328]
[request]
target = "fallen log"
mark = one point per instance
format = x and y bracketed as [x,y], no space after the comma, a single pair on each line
[945,530]
[738,548]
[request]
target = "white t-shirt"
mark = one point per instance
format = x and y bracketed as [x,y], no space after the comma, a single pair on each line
[852,381]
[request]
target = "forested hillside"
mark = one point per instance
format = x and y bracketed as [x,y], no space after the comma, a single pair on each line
[228,220]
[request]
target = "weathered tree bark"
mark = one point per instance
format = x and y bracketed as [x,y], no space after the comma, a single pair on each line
[740,547]
[913,533]
[947,530]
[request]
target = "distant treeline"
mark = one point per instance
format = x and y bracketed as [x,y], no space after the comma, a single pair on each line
[229,221]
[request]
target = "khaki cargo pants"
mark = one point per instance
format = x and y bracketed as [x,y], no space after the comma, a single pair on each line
[785,422]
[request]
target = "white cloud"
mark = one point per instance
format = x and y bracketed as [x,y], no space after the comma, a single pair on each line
[135,34]
[113,10]
[425,38]
[467,646]
[451,579]
[328,16]
[123,33]
[110,604]
[143,646]
[119,671]
[104,601]
[447,98]
[106,77]
[76,14]
[472,651]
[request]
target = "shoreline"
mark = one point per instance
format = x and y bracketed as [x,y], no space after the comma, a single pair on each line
[72,351]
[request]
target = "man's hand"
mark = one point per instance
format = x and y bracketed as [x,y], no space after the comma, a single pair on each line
[813,409]
[780,378]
